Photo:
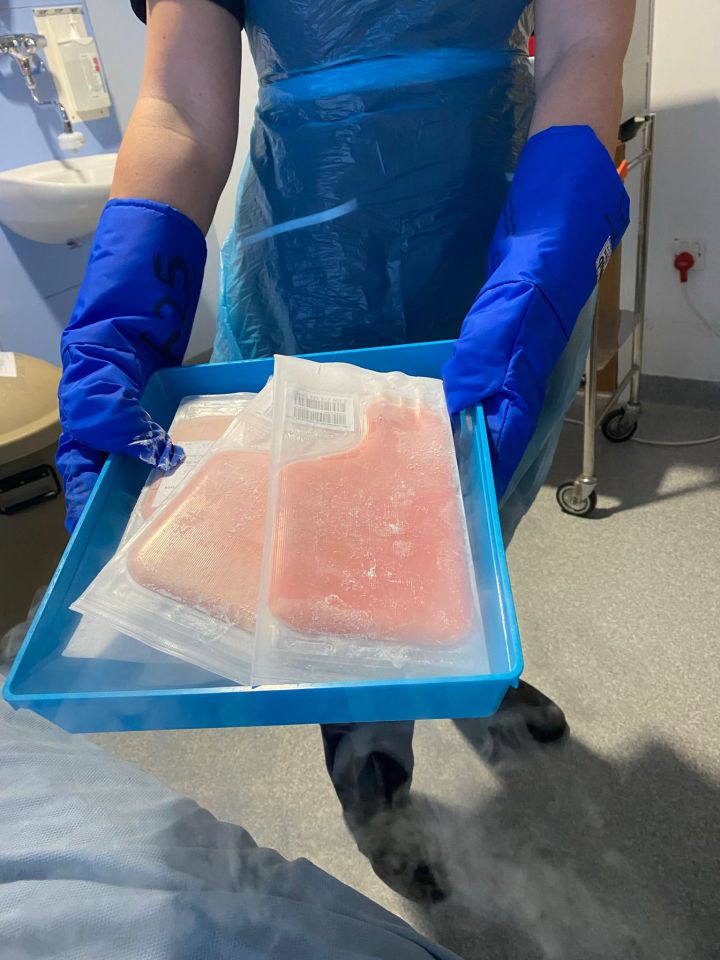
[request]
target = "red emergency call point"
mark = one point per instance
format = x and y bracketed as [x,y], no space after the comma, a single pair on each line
[684,262]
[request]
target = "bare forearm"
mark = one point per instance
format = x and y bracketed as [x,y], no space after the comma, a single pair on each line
[581,47]
[161,159]
[583,87]
[180,141]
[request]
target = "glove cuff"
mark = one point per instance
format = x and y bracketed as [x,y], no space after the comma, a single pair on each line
[142,284]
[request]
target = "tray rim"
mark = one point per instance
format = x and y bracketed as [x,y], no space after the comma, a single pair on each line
[469,421]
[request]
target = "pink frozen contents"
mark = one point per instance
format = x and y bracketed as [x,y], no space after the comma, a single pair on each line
[204,428]
[205,548]
[371,542]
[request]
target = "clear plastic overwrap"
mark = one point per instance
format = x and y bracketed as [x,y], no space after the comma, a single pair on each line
[199,421]
[367,569]
[186,582]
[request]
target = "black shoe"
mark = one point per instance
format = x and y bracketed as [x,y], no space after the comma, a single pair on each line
[397,843]
[526,705]
[524,719]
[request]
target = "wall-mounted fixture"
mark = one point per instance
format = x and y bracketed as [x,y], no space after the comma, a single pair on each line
[74,62]
[23,48]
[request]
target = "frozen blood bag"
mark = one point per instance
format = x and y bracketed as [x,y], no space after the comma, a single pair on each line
[370,542]
[205,549]
[195,436]
[368,570]
[187,581]
[198,423]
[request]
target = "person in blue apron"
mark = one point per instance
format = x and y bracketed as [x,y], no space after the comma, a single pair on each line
[413,175]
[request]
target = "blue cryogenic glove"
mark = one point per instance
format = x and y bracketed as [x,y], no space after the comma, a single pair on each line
[133,315]
[565,213]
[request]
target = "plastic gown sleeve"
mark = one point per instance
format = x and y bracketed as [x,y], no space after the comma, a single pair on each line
[133,315]
[565,213]
[101,860]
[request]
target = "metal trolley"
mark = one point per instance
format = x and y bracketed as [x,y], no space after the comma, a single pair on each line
[617,423]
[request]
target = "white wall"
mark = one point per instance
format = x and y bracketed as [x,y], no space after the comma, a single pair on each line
[686,188]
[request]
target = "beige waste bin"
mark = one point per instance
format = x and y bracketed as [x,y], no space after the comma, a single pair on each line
[32,507]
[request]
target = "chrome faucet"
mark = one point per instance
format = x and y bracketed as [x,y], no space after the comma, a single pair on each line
[23,48]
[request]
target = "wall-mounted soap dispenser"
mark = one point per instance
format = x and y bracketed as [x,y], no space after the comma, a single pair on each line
[73,61]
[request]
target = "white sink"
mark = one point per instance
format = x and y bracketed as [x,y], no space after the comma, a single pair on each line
[56,201]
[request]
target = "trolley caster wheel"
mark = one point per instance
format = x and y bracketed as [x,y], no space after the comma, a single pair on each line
[616,427]
[570,504]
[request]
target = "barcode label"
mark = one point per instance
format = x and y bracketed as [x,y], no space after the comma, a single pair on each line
[322,410]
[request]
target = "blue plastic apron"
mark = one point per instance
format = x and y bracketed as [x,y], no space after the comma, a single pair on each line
[384,136]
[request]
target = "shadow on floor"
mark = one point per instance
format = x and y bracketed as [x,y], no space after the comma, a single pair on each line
[579,858]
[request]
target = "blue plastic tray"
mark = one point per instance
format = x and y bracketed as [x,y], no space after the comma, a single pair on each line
[94,695]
